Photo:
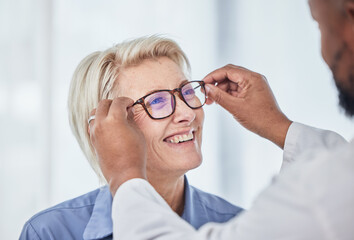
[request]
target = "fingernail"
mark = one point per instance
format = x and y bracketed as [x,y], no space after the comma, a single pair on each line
[133,110]
[207,89]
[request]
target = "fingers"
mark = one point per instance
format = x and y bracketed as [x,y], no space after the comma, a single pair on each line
[229,72]
[93,112]
[102,109]
[230,79]
[117,108]
[229,87]
[121,107]
[221,97]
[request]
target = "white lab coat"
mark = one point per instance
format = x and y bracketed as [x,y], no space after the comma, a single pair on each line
[312,198]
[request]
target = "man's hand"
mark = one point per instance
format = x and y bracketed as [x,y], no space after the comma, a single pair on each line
[119,144]
[248,97]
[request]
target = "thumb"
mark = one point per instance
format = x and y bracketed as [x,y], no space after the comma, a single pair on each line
[119,107]
[231,103]
[221,97]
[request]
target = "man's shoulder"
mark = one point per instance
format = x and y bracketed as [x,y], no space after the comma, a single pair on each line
[215,204]
[61,217]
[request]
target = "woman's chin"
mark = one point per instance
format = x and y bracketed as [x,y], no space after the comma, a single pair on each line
[189,163]
[177,158]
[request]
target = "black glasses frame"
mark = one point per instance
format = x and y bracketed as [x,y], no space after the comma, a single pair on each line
[141,100]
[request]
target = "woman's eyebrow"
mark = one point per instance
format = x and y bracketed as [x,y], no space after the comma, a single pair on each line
[183,82]
[155,90]
[158,89]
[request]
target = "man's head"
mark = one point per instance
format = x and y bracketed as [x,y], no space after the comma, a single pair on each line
[335,19]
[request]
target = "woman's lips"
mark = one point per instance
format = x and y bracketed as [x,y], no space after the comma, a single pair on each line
[180,137]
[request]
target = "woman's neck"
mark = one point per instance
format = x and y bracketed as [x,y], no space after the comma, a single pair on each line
[171,189]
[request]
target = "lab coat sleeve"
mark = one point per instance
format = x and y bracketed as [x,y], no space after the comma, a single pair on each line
[301,139]
[140,213]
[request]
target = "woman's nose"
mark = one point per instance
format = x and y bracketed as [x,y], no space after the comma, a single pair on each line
[183,113]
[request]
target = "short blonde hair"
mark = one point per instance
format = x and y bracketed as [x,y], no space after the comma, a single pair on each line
[95,77]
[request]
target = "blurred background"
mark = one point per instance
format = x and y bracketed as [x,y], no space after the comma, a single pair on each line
[42,41]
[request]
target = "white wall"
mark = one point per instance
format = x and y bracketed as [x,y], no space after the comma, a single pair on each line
[42,41]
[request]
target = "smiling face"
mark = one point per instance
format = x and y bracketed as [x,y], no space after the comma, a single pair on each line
[335,20]
[166,154]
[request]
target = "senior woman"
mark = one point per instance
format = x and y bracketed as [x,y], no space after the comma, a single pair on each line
[153,71]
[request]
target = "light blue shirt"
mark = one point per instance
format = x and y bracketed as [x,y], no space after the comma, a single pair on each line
[89,216]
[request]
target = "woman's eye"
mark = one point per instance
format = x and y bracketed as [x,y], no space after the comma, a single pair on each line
[189,91]
[157,100]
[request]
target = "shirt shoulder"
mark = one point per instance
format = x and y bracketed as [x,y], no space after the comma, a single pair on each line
[66,220]
[215,204]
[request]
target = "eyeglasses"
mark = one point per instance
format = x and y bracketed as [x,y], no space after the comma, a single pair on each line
[161,104]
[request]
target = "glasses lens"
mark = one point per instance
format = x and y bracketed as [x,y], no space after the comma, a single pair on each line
[159,104]
[193,94]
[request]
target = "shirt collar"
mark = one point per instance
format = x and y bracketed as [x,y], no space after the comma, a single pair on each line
[100,224]
[194,212]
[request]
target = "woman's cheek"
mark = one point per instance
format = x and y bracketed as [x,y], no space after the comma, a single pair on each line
[139,117]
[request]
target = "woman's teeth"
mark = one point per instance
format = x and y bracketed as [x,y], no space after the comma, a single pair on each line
[181,138]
